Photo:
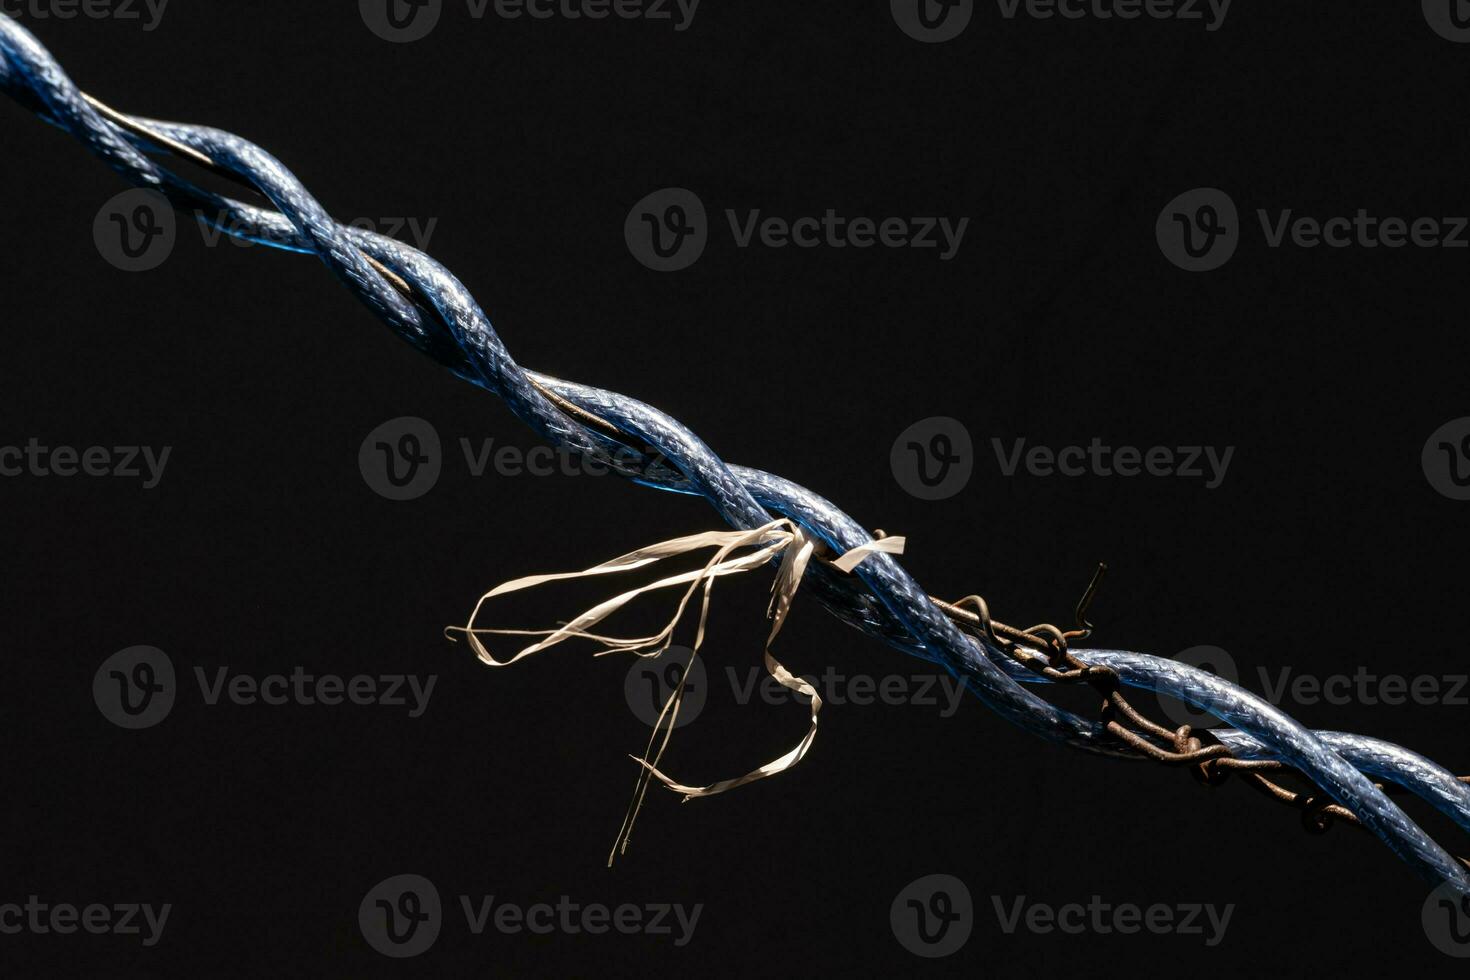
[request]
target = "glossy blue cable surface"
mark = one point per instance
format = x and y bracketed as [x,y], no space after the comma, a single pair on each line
[881,598]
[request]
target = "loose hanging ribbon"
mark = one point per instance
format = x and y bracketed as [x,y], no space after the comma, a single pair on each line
[780,537]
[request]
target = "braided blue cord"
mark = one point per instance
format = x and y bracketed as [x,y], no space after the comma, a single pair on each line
[881,599]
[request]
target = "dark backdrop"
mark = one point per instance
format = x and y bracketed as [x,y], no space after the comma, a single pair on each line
[1326,547]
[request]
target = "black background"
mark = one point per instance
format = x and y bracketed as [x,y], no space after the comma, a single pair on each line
[1059,320]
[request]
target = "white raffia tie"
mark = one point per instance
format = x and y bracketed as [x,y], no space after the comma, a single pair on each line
[735,552]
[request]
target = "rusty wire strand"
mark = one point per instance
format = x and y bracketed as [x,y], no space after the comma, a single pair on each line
[1044,649]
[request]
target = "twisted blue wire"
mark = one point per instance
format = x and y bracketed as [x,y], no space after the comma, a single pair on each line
[881,599]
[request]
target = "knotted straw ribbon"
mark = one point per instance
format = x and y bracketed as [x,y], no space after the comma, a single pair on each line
[780,537]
